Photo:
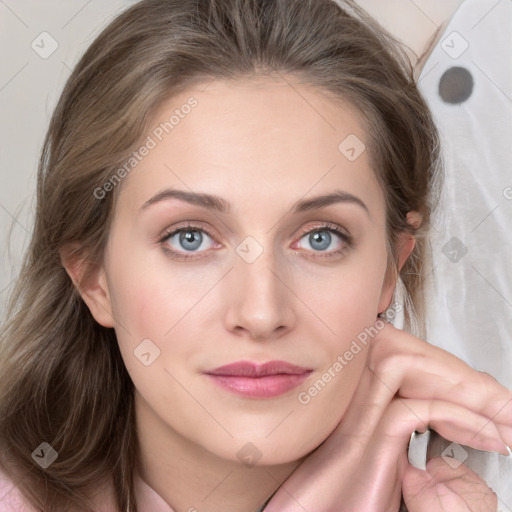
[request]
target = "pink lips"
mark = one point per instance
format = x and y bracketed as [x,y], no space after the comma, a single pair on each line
[259,381]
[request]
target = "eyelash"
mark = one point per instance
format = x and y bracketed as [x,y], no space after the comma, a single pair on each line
[326,226]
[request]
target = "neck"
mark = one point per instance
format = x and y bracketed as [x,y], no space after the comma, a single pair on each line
[190,478]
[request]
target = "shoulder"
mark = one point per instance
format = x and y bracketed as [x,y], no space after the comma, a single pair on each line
[11,498]
[148,498]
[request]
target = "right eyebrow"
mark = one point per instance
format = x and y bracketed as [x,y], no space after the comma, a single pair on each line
[208,201]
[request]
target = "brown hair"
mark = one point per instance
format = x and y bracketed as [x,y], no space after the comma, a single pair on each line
[62,378]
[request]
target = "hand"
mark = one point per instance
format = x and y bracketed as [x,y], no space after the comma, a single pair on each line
[442,487]
[407,384]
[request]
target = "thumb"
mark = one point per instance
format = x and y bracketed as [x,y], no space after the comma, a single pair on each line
[446,487]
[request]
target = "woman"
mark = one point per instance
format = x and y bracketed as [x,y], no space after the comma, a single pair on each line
[227,196]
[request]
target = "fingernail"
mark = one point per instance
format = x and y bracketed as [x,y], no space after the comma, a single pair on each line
[509,451]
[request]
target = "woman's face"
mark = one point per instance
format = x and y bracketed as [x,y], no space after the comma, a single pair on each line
[247,282]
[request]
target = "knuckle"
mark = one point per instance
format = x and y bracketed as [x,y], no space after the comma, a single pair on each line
[400,412]
[388,361]
[488,379]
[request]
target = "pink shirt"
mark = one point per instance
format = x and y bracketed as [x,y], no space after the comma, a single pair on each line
[11,499]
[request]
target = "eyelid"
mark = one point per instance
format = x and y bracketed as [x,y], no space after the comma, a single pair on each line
[186,225]
[190,225]
[328,226]
[342,233]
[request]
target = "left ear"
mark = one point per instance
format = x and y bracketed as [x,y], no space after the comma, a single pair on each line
[404,246]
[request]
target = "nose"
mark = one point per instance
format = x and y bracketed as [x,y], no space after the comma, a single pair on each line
[260,298]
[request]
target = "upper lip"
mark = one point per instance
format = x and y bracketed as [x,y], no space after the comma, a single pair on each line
[250,369]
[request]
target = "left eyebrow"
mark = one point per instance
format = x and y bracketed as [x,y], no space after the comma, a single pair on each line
[339,196]
[213,202]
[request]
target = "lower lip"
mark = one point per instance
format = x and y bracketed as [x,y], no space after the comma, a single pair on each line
[259,387]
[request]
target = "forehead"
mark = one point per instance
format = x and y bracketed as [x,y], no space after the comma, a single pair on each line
[255,138]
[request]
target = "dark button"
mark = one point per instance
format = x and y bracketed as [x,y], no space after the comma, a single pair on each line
[456,85]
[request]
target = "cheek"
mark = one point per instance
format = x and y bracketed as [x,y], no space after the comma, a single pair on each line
[148,297]
[153,298]
[180,306]
[348,298]
[348,306]
[164,303]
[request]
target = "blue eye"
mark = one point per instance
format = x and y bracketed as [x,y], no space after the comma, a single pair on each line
[321,238]
[194,239]
[188,238]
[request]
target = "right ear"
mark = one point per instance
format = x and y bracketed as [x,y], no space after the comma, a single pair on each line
[90,282]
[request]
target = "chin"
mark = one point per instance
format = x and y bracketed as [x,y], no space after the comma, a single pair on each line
[274,450]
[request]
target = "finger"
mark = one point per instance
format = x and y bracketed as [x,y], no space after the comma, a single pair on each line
[384,453]
[366,408]
[451,421]
[457,423]
[417,369]
[393,349]
[442,487]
